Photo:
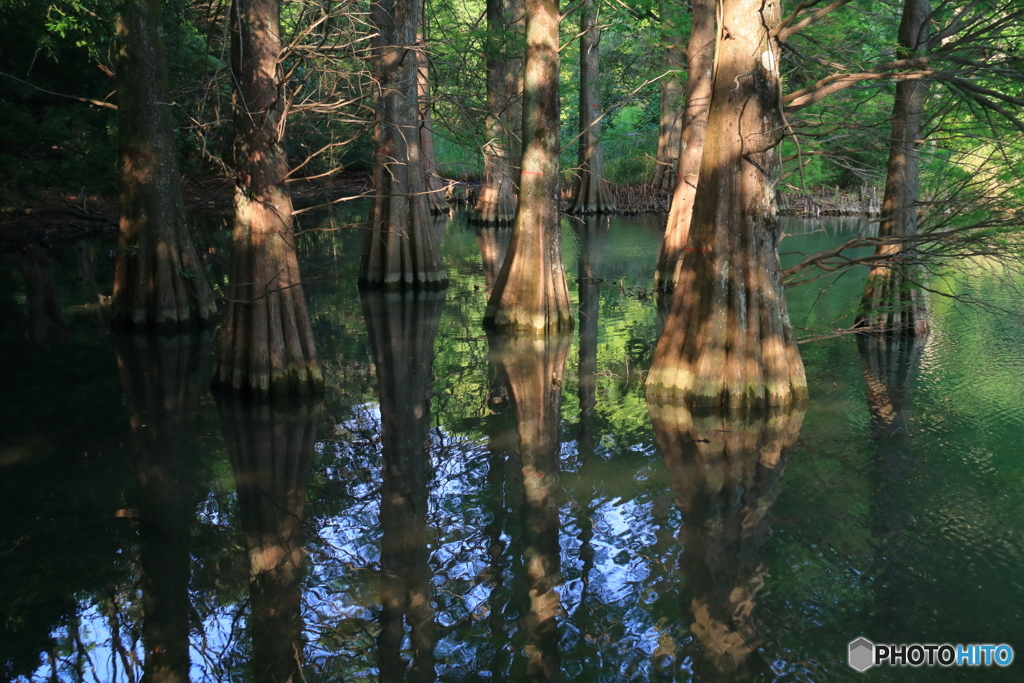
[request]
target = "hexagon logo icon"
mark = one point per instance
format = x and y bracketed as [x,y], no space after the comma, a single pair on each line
[862,654]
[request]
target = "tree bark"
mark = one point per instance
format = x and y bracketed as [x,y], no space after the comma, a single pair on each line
[700,54]
[271,451]
[531,293]
[400,249]
[725,473]
[493,242]
[267,341]
[590,191]
[503,150]
[434,182]
[892,302]
[727,339]
[402,328]
[671,86]
[534,370]
[158,278]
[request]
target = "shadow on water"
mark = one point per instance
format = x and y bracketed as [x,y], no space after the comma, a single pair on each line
[725,473]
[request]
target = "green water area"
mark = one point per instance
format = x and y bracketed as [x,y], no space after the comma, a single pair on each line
[467,507]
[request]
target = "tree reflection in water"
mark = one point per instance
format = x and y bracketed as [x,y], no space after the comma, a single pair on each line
[402,328]
[890,364]
[533,369]
[271,448]
[725,472]
[163,379]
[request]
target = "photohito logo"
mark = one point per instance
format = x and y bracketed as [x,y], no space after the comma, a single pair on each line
[864,654]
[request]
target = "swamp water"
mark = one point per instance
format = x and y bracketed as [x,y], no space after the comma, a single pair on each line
[465,508]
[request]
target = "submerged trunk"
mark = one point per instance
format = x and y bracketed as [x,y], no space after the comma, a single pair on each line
[158,279]
[271,450]
[725,472]
[434,183]
[402,328]
[267,340]
[671,86]
[892,301]
[503,149]
[531,293]
[700,54]
[727,339]
[590,191]
[533,370]
[400,249]
[162,380]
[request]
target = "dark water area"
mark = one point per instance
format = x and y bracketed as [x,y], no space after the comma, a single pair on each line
[462,507]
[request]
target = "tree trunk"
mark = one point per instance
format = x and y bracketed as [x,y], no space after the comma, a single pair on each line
[158,279]
[700,54]
[162,380]
[892,302]
[402,328]
[531,293]
[590,191]
[400,249]
[434,183]
[503,150]
[671,96]
[725,472]
[271,450]
[727,339]
[267,340]
[534,371]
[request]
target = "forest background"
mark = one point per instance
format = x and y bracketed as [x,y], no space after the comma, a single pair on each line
[58,130]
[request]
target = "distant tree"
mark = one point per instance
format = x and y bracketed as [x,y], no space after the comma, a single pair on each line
[672,99]
[700,52]
[590,191]
[400,248]
[159,279]
[504,112]
[892,302]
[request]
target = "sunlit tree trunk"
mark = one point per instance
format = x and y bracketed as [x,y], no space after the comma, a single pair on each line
[700,53]
[266,341]
[271,449]
[434,183]
[727,339]
[671,86]
[725,472]
[531,293]
[534,370]
[158,279]
[162,378]
[503,149]
[400,249]
[590,191]
[402,327]
[892,302]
